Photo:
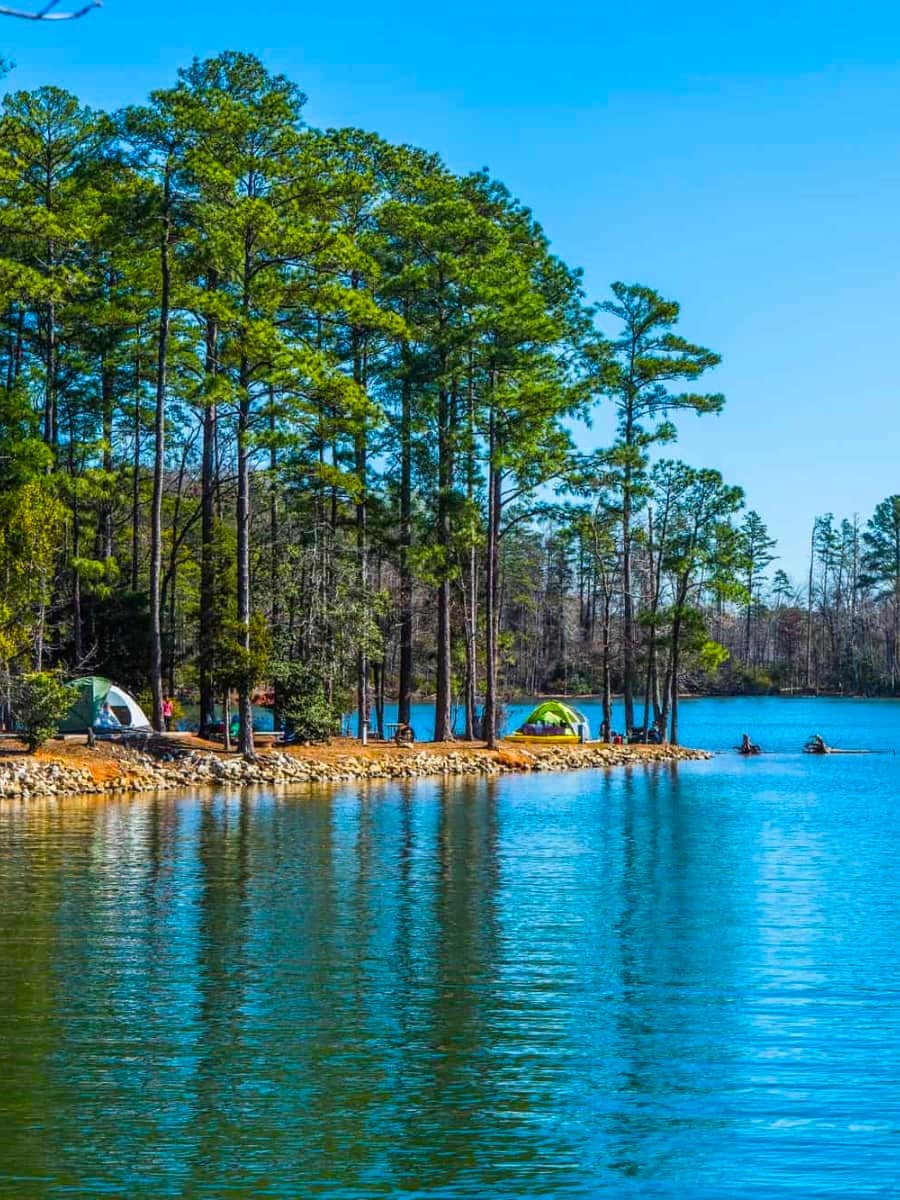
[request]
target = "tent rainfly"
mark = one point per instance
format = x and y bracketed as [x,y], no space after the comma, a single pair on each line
[553,721]
[101,704]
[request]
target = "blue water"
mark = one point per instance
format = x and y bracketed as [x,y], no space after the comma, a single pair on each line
[678,981]
[776,724]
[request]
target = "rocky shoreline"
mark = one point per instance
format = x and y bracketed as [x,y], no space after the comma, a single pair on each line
[134,771]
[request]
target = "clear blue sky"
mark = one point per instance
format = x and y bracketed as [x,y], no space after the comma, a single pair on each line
[741,159]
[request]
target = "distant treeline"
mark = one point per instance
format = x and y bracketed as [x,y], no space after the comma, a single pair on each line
[297,406]
[837,631]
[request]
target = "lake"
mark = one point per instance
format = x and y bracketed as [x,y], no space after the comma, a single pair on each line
[679,981]
[717,724]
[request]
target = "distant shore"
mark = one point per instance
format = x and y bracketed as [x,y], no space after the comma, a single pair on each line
[72,768]
[576,698]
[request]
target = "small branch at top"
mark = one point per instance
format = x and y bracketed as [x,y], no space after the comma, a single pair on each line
[45,14]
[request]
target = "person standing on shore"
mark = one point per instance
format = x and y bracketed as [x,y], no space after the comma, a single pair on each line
[168,711]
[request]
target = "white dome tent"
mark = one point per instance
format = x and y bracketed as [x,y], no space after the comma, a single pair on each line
[126,709]
[102,705]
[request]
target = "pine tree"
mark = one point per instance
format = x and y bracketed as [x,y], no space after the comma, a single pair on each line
[755,548]
[637,371]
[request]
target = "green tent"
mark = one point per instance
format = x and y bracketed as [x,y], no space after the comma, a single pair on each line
[552,718]
[87,711]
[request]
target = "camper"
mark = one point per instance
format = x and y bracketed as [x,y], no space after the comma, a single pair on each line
[103,707]
[553,723]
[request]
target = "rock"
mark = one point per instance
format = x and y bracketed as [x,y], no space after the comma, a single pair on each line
[24,779]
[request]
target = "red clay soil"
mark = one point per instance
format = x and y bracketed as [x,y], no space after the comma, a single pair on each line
[105,759]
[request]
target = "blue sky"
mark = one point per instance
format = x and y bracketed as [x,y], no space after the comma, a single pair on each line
[741,159]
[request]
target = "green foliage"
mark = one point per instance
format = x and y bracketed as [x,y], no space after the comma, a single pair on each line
[97,576]
[40,702]
[637,370]
[121,625]
[370,368]
[230,664]
[309,715]
[753,681]
[882,542]
[236,668]
[711,656]
[23,455]
[32,524]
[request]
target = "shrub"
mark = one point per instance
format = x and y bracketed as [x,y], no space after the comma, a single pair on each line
[751,681]
[308,714]
[40,702]
[314,718]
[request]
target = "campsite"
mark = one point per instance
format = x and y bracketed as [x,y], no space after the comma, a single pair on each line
[102,707]
[553,722]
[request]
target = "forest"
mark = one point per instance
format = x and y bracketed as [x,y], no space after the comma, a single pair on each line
[303,410]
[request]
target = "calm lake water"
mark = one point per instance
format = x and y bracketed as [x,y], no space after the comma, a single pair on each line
[648,982]
[718,724]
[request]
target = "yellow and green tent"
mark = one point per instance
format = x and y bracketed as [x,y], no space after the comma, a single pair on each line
[552,721]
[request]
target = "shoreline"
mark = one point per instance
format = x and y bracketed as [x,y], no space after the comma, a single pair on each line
[115,769]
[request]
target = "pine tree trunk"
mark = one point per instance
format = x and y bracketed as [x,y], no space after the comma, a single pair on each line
[362,661]
[651,697]
[676,649]
[106,403]
[51,421]
[208,488]
[169,590]
[245,707]
[809,606]
[470,584]
[651,641]
[492,591]
[362,548]
[378,672]
[443,683]
[675,661]
[159,456]
[606,726]
[627,612]
[442,715]
[274,554]
[404,696]
[77,625]
[136,471]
